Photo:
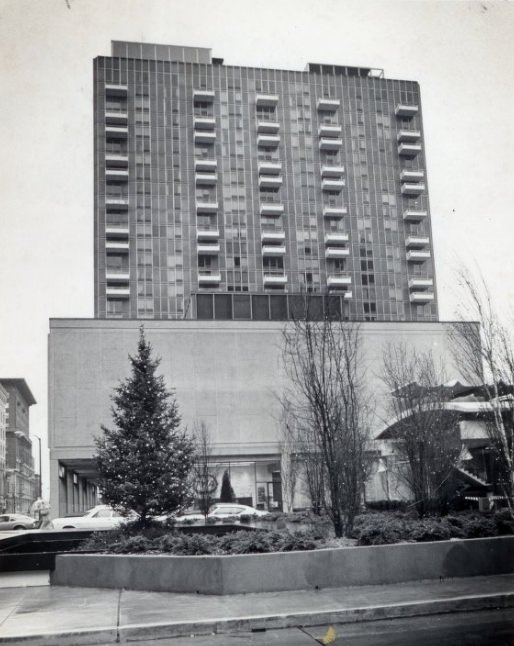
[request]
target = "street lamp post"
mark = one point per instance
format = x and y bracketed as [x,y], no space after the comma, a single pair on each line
[40,495]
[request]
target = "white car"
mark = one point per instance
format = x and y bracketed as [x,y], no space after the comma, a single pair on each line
[99,517]
[224,510]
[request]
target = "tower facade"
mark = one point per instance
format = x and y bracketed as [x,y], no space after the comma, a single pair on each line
[226,192]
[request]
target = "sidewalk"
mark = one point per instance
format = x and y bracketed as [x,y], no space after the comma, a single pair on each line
[73,616]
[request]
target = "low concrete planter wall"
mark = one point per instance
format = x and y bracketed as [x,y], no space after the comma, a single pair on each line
[327,568]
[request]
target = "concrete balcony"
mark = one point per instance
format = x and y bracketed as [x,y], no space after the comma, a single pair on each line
[416,242]
[418,255]
[338,280]
[266,100]
[412,175]
[270,208]
[334,211]
[208,249]
[212,277]
[270,127]
[116,203]
[206,164]
[273,250]
[329,130]
[116,90]
[113,291]
[421,297]
[268,141]
[116,174]
[204,137]
[336,238]
[267,181]
[330,105]
[407,111]
[337,252]
[270,168]
[413,188]
[332,171]
[203,96]
[206,179]
[117,276]
[206,207]
[408,136]
[116,118]
[420,283]
[414,216]
[204,123]
[207,234]
[116,246]
[112,231]
[409,150]
[116,161]
[332,185]
[272,236]
[274,278]
[116,132]
[333,143]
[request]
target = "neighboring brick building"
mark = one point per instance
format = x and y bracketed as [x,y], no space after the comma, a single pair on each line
[20,491]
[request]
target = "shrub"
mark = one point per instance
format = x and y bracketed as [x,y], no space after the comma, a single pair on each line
[193,545]
[243,542]
[479,527]
[297,541]
[168,543]
[429,529]
[133,545]
[504,522]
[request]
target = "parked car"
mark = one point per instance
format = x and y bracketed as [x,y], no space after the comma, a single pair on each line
[99,517]
[17,521]
[223,510]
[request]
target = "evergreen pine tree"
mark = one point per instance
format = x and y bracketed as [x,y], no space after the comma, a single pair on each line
[144,462]
[227,493]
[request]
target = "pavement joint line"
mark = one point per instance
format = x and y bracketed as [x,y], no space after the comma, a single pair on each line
[118,615]
[13,609]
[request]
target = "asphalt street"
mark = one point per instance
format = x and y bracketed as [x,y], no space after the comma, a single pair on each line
[484,628]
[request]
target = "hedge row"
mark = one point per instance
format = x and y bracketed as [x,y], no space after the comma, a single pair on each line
[383,529]
[370,529]
[240,542]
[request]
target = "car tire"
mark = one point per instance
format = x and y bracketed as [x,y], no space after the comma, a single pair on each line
[69,527]
[19,527]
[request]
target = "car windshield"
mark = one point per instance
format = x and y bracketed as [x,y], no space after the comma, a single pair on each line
[87,512]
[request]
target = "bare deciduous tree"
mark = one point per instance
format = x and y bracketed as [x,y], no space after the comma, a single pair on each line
[205,482]
[426,434]
[301,459]
[484,354]
[329,400]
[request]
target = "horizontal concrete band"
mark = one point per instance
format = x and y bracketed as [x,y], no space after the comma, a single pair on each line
[330,568]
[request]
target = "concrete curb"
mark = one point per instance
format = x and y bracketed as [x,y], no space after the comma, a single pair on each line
[136,633]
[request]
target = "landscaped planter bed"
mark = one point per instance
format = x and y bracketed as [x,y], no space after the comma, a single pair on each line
[324,568]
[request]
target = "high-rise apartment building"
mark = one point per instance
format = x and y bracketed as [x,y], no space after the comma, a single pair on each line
[224,191]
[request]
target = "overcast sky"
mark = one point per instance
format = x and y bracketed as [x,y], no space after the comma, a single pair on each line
[461,53]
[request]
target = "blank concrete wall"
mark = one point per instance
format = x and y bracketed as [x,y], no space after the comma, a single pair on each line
[328,568]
